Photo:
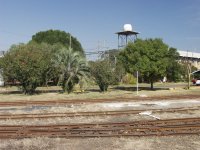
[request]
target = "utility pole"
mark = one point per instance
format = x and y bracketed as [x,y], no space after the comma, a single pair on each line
[137,81]
[189,70]
[70,41]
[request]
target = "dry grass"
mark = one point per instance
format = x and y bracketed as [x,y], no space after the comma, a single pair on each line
[127,91]
[11,94]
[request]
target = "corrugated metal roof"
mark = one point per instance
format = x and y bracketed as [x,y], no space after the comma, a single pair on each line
[189,54]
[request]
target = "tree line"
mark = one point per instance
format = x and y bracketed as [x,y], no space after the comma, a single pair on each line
[57,56]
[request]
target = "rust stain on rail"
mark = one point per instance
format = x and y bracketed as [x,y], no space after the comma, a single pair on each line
[95,113]
[137,128]
[82,101]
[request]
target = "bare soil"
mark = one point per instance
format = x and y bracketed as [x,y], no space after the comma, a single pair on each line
[131,143]
[159,99]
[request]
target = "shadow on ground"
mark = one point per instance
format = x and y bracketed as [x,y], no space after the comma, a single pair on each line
[140,88]
[37,92]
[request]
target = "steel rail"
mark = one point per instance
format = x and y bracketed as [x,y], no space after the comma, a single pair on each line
[82,101]
[137,128]
[95,113]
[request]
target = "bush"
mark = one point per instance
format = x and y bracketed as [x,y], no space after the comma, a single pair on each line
[29,64]
[73,67]
[103,74]
[129,79]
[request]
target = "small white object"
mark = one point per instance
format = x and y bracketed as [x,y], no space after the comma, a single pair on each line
[1,83]
[128,27]
[1,80]
[146,113]
[198,82]
[149,113]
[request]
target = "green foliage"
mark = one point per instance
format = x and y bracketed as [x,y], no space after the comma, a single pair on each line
[196,76]
[29,64]
[119,71]
[57,37]
[112,57]
[129,79]
[184,70]
[149,57]
[73,68]
[103,74]
[173,68]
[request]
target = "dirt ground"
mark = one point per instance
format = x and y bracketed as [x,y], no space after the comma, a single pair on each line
[109,106]
[186,142]
[131,143]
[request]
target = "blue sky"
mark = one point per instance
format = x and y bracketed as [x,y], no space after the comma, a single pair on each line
[94,22]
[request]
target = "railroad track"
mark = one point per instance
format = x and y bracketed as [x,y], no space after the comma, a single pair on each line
[79,101]
[96,113]
[137,128]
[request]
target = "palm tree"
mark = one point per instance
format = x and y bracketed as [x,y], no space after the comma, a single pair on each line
[72,66]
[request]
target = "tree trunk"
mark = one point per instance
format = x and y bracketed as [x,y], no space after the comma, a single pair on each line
[188,80]
[189,73]
[151,85]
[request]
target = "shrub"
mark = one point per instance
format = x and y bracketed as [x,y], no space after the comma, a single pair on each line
[30,64]
[103,74]
[129,79]
[73,67]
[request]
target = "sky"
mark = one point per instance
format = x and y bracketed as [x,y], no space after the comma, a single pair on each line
[95,22]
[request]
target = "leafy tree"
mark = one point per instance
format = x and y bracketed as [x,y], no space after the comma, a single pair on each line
[72,66]
[174,67]
[186,70]
[119,71]
[129,79]
[103,74]
[196,75]
[57,37]
[149,57]
[112,57]
[29,64]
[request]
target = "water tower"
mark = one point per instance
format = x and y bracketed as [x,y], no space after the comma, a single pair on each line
[127,35]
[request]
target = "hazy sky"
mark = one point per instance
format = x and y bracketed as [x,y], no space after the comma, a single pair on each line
[177,22]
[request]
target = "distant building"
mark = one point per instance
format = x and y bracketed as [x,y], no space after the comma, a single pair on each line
[192,57]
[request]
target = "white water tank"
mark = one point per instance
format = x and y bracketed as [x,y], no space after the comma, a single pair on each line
[128,27]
